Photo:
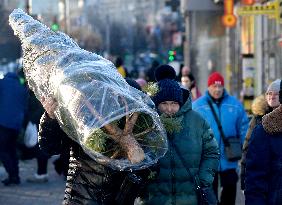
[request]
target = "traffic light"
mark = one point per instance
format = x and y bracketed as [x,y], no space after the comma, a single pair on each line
[171,55]
[55,26]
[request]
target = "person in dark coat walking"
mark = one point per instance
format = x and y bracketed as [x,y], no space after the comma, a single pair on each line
[35,111]
[191,147]
[13,105]
[264,160]
[262,105]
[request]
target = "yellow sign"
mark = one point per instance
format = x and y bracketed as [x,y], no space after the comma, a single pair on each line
[268,9]
[271,9]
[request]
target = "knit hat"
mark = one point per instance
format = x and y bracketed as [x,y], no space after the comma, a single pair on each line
[169,89]
[274,86]
[215,78]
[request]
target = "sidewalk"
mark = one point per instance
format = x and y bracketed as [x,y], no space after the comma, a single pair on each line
[50,193]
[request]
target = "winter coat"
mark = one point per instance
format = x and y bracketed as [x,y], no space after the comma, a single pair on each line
[264,162]
[198,147]
[88,182]
[13,102]
[35,109]
[233,119]
[259,108]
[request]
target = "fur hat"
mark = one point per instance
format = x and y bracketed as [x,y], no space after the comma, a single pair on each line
[169,89]
[215,78]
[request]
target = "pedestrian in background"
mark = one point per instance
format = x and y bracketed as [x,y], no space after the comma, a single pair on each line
[262,105]
[141,82]
[188,81]
[192,147]
[264,160]
[234,123]
[35,111]
[151,71]
[13,106]
[120,67]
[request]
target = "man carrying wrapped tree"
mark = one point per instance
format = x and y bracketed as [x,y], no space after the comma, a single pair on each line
[88,182]
[111,126]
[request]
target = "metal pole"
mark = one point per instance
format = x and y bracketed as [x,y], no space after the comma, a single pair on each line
[259,56]
[67,16]
[186,42]
[28,4]
[108,30]
[228,60]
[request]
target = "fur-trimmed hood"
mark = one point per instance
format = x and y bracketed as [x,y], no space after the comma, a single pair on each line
[260,106]
[272,122]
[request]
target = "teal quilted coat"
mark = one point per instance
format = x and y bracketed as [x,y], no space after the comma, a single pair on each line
[196,143]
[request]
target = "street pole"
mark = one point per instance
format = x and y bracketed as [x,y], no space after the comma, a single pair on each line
[67,15]
[259,56]
[186,46]
[108,30]
[186,42]
[228,58]
[28,4]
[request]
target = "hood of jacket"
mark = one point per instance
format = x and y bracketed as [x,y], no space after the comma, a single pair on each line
[272,122]
[260,106]
[187,103]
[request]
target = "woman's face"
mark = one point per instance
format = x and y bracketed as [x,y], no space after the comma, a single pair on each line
[169,107]
[272,99]
[186,82]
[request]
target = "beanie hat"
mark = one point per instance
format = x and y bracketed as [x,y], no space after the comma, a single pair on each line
[169,89]
[215,78]
[165,71]
[274,86]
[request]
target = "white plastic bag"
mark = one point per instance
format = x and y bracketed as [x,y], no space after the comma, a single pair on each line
[30,135]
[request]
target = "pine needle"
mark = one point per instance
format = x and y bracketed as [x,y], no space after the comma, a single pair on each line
[151,89]
[171,124]
[97,141]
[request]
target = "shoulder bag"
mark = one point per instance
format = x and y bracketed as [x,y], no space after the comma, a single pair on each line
[232,145]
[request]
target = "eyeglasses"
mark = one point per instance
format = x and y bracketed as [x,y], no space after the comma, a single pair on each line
[272,93]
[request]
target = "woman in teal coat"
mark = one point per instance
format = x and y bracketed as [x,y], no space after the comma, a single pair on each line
[193,139]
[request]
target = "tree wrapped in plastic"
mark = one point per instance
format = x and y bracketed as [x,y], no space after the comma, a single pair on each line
[113,122]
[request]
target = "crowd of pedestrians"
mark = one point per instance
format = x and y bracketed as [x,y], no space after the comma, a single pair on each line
[196,152]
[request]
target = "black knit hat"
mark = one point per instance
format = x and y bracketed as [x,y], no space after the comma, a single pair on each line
[280,93]
[169,89]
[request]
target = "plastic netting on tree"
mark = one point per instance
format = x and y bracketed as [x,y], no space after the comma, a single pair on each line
[114,123]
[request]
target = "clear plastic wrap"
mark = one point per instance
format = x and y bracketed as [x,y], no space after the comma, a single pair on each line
[96,107]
